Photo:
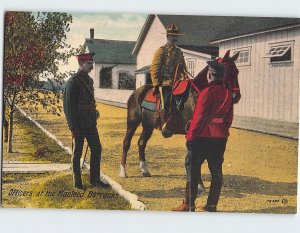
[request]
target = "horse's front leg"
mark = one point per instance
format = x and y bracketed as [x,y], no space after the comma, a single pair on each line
[145,136]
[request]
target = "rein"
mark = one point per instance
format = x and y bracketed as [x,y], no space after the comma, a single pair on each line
[192,83]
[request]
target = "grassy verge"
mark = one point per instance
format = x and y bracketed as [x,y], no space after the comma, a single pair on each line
[54,190]
[31,144]
[48,190]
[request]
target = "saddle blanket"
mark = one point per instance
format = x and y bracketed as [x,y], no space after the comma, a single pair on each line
[151,102]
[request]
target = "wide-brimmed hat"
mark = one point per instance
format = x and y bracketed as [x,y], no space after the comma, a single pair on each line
[173,29]
[88,57]
[215,68]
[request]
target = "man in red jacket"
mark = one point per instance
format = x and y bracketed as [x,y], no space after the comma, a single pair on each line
[207,138]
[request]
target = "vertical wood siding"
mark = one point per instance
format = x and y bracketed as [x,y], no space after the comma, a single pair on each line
[269,91]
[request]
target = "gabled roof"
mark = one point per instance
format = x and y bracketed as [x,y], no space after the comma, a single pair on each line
[243,26]
[199,31]
[111,51]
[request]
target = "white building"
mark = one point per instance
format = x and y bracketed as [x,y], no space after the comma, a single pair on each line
[269,65]
[113,64]
[269,80]
[195,48]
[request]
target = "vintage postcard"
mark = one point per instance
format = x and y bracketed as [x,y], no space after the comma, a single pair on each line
[183,113]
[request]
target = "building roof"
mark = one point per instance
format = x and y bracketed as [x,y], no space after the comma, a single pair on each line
[111,51]
[201,49]
[199,31]
[243,26]
[144,69]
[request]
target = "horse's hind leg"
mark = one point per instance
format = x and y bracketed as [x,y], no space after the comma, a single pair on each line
[145,136]
[131,128]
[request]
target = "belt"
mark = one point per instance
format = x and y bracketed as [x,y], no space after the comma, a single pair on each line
[217,120]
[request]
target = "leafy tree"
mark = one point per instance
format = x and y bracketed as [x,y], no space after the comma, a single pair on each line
[34,48]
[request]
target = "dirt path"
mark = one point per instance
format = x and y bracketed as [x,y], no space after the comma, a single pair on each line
[260,171]
[31,167]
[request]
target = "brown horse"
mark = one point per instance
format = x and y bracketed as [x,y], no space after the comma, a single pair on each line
[137,115]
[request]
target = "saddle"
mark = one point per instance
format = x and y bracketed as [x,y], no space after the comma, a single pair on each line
[179,92]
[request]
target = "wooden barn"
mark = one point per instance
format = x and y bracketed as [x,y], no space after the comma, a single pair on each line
[269,65]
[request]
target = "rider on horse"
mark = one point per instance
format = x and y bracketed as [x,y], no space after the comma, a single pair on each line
[168,65]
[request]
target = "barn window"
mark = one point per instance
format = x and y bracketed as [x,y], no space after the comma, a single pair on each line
[244,58]
[280,52]
[191,66]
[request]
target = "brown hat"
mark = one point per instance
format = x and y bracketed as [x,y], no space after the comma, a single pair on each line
[216,68]
[88,57]
[173,29]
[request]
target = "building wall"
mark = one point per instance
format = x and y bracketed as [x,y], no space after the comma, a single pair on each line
[153,40]
[113,95]
[269,91]
[95,73]
[140,80]
[199,60]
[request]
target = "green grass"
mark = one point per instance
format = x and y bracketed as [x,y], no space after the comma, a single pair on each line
[31,144]
[54,190]
[21,190]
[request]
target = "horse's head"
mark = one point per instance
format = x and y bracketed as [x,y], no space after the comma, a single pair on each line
[230,75]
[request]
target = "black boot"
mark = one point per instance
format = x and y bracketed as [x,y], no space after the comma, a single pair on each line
[99,183]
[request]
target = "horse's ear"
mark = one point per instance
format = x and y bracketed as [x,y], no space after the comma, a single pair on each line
[226,56]
[235,56]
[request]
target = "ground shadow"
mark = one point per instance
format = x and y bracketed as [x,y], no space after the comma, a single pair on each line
[234,186]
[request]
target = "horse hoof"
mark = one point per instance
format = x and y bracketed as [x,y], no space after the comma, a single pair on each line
[166,133]
[201,189]
[122,173]
[146,174]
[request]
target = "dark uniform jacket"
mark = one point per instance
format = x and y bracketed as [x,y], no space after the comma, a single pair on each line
[164,63]
[213,113]
[79,102]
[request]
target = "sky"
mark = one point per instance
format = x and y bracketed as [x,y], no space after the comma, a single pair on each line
[115,26]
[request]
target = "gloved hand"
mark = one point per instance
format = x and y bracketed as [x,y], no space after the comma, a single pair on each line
[236,98]
[97,114]
[75,133]
[156,90]
[189,145]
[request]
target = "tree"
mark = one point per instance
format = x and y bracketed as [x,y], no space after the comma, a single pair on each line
[34,47]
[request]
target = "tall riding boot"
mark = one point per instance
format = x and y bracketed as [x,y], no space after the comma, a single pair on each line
[76,173]
[213,196]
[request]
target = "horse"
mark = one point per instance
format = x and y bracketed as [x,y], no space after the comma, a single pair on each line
[137,115]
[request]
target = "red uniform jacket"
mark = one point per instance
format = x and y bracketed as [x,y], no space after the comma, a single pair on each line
[213,113]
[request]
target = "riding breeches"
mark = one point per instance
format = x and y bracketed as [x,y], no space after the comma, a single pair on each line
[165,95]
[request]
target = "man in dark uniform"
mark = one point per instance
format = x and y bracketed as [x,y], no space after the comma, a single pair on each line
[207,138]
[81,114]
[168,65]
